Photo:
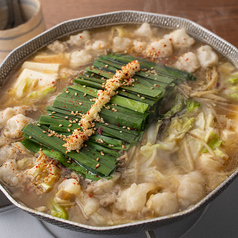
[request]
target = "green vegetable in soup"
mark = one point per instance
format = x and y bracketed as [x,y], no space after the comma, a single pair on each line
[41,93]
[233,78]
[58,211]
[214,142]
[125,117]
[192,105]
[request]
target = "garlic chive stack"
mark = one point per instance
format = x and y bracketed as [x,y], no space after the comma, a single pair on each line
[121,122]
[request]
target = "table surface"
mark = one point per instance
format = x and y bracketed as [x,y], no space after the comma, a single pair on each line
[219,16]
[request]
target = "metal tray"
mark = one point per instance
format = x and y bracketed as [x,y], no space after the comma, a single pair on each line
[17,56]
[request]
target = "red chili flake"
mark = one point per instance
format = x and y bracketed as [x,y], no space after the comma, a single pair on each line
[99,130]
[186,59]
[90,195]
[118,124]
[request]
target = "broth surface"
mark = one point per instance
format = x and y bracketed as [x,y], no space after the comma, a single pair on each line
[168,171]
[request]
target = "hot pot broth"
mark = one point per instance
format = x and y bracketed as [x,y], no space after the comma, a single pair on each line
[179,160]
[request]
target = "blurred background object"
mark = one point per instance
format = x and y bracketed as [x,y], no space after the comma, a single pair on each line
[220,16]
[20,21]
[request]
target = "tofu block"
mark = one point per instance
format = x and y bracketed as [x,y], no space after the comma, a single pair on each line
[43,67]
[62,58]
[228,136]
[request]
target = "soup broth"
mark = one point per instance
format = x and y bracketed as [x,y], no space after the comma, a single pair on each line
[181,157]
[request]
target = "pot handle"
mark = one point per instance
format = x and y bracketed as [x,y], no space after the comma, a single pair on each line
[150,234]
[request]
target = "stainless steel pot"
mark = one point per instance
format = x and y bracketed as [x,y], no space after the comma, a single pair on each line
[16,57]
